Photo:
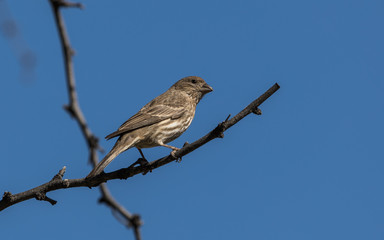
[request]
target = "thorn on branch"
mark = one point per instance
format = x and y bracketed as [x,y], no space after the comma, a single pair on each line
[257,111]
[43,197]
[60,174]
[94,142]
[219,130]
[136,221]
[71,51]
[63,3]
[70,110]
[102,199]
[7,196]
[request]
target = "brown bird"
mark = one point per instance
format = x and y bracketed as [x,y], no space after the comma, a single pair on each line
[159,122]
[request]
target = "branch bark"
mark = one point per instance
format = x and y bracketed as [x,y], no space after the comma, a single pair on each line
[124,173]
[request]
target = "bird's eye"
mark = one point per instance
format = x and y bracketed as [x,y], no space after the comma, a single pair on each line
[194,81]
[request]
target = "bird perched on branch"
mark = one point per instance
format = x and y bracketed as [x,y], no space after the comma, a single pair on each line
[159,122]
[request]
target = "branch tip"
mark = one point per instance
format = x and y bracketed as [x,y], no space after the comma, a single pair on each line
[70,110]
[60,174]
[7,196]
[41,196]
[227,118]
[94,143]
[136,221]
[257,111]
[71,51]
[102,199]
[63,3]
[219,130]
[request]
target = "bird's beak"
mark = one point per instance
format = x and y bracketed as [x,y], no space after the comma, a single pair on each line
[206,88]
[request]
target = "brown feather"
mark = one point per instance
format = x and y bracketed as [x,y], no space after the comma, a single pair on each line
[152,113]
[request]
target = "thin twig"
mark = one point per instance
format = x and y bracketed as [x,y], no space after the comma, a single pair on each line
[124,173]
[73,108]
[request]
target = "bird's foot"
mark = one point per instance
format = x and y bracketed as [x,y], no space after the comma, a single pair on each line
[141,161]
[173,154]
[148,168]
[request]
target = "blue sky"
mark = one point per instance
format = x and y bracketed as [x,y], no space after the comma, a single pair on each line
[311,167]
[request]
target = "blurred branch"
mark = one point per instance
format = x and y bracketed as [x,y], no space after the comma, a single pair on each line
[8,27]
[73,108]
[124,173]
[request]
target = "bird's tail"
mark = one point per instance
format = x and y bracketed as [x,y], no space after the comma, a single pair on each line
[119,147]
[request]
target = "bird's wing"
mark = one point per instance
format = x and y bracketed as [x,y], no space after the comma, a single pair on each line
[148,115]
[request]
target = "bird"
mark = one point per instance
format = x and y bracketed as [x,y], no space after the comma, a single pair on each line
[159,122]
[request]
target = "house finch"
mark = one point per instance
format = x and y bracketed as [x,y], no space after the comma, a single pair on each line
[159,122]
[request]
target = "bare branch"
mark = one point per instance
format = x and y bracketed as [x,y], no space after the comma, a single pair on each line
[134,220]
[124,173]
[73,108]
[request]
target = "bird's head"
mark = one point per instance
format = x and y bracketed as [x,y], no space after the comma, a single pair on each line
[193,86]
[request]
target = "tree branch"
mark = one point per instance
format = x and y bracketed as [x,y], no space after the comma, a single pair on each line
[73,108]
[124,173]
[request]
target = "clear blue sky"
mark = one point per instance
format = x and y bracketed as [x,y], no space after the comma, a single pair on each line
[311,167]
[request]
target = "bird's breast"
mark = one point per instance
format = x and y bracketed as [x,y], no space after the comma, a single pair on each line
[172,129]
[166,131]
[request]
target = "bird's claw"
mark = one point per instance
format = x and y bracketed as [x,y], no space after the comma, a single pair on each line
[174,152]
[178,159]
[141,161]
[147,170]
